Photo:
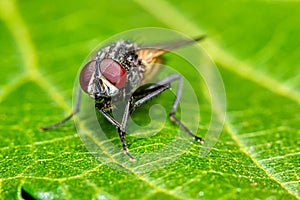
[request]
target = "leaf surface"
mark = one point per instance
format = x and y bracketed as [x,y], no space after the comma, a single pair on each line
[256,47]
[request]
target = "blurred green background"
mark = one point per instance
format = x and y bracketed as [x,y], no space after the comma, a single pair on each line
[256,46]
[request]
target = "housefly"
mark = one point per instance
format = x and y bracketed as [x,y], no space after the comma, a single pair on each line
[119,73]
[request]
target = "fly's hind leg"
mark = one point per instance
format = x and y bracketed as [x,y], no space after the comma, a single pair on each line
[172,78]
[159,87]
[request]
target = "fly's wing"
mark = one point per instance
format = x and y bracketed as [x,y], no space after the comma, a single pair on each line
[156,50]
[150,55]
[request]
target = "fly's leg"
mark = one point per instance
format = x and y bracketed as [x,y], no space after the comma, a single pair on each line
[122,131]
[148,94]
[158,88]
[77,108]
[177,77]
[121,127]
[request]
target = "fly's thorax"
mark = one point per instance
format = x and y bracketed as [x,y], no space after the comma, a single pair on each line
[151,69]
[151,61]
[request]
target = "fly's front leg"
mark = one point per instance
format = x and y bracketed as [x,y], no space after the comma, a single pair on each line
[161,86]
[121,126]
[77,108]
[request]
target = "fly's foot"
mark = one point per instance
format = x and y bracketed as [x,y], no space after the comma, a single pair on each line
[129,155]
[172,118]
[199,139]
[176,120]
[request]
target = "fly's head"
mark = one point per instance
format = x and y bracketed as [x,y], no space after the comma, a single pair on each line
[114,71]
[102,78]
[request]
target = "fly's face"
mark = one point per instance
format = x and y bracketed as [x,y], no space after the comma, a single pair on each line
[102,78]
[114,71]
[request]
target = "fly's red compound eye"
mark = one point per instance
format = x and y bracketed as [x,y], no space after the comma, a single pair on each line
[113,72]
[86,75]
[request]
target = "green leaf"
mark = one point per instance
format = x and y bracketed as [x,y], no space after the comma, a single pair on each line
[256,47]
